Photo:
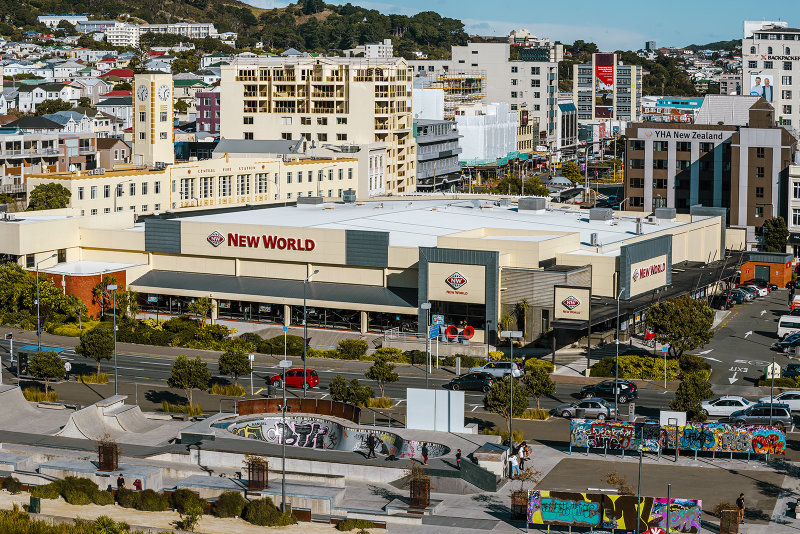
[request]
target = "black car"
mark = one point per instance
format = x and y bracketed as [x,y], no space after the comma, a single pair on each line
[605,390]
[479,381]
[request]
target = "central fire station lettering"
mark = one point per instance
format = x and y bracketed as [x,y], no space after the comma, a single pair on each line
[270,241]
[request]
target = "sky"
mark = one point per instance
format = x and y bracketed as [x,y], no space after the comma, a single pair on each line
[612,24]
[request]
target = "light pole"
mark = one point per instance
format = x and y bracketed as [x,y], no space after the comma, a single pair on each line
[771,388]
[283,364]
[511,335]
[38,316]
[639,491]
[305,332]
[113,288]
[427,307]
[616,365]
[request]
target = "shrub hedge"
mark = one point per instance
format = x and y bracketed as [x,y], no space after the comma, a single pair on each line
[229,504]
[350,524]
[151,501]
[12,485]
[181,499]
[74,490]
[532,363]
[636,367]
[264,513]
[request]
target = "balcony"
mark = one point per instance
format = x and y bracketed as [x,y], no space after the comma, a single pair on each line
[29,153]
[11,189]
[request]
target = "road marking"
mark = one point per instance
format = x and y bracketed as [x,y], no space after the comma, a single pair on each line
[258,392]
[322,397]
[712,359]
[398,404]
[704,352]
[748,333]
[475,408]
[143,377]
[763,312]
[739,369]
[732,379]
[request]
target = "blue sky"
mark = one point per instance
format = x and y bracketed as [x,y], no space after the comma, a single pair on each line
[612,24]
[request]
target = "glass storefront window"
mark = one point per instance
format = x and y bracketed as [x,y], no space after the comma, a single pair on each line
[381,322]
[461,314]
[327,318]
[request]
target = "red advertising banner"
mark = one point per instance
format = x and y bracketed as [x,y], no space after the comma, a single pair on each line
[604,68]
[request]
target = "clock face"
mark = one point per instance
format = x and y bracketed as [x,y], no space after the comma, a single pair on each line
[141,92]
[163,92]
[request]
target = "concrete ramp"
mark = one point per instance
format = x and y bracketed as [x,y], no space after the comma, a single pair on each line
[109,417]
[14,404]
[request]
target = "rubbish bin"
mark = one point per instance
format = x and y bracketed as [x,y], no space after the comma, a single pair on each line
[35,506]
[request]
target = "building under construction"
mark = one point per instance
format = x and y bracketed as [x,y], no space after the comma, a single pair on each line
[459,89]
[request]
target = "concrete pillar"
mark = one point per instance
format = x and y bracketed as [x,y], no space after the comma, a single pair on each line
[236,267]
[214,310]
[364,322]
[287,315]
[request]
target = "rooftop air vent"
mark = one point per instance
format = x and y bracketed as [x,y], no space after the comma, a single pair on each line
[309,201]
[532,204]
[601,214]
[593,240]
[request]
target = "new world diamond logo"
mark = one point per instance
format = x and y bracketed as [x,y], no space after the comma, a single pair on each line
[455,280]
[571,302]
[636,275]
[216,239]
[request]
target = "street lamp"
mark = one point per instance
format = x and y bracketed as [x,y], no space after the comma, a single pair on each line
[305,332]
[616,365]
[38,317]
[511,335]
[639,490]
[283,364]
[427,307]
[113,288]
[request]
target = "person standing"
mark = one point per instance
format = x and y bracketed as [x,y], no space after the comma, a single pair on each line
[425,454]
[514,463]
[740,507]
[67,369]
[458,459]
[371,446]
[120,482]
[521,456]
[137,485]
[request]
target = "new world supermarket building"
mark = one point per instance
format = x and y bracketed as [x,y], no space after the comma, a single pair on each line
[475,261]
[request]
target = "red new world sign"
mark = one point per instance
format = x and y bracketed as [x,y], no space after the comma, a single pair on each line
[268,241]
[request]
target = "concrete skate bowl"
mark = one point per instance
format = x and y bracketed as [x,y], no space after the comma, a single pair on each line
[320,433]
[110,417]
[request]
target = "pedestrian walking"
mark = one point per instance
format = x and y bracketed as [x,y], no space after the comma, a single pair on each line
[424,454]
[120,482]
[137,485]
[514,463]
[371,446]
[67,369]
[740,507]
[458,459]
[521,456]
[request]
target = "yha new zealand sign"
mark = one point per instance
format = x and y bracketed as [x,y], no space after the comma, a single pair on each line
[263,241]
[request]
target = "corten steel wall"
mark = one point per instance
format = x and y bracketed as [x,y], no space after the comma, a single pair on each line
[310,406]
[780,274]
[82,286]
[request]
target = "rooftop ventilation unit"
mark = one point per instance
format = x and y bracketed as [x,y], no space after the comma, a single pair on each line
[505,202]
[665,214]
[532,204]
[593,240]
[309,201]
[349,196]
[600,214]
[639,230]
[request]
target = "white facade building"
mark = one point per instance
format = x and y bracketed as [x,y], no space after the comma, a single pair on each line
[489,131]
[122,34]
[382,50]
[52,21]
[427,102]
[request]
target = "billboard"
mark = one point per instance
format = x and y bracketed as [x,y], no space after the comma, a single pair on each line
[645,266]
[572,302]
[762,85]
[604,86]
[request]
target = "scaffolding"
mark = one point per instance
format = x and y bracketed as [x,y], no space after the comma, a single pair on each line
[460,89]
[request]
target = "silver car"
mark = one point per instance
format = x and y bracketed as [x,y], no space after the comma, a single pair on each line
[592,408]
[498,369]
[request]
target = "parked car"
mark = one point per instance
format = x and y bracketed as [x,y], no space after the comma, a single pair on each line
[593,408]
[723,301]
[792,370]
[606,390]
[787,325]
[789,398]
[294,379]
[762,291]
[753,290]
[745,296]
[725,405]
[759,414]
[478,381]
[762,283]
[499,369]
[790,341]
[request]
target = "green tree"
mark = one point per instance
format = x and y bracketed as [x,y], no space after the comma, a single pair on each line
[539,383]
[338,388]
[50,196]
[123,86]
[189,374]
[535,187]
[358,394]
[522,308]
[127,303]
[498,400]
[201,307]
[694,389]
[97,344]
[312,6]
[84,102]
[181,106]
[571,171]
[774,235]
[382,372]
[234,362]
[46,365]
[51,106]
[102,295]
[682,323]
[67,28]
[352,349]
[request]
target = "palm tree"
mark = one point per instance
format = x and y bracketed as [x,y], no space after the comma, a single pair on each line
[522,308]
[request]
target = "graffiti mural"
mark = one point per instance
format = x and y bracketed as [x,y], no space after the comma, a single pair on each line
[317,433]
[612,511]
[708,437]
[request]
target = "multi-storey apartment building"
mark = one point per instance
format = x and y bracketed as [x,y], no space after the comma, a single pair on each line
[531,81]
[607,90]
[207,105]
[192,30]
[770,51]
[123,34]
[338,100]
[437,154]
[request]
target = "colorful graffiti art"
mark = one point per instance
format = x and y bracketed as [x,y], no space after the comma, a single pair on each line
[612,511]
[708,437]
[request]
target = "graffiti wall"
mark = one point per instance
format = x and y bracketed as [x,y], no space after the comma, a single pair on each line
[708,437]
[612,511]
[317,433]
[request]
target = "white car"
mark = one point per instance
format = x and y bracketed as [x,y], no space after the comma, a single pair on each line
[498,369]
[762,291]
[792,398]
[725,405]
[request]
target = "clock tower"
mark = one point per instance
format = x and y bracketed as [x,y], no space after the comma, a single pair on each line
[153,119]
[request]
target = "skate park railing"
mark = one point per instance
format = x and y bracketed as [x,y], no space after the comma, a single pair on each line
[333,408]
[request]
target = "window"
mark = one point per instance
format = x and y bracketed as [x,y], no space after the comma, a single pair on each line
[107,191]
[322,121]
[286,121]
[759,192]
[80,193]
[513,82]
[300,177]
[759,212]
[513,94]
[93,212]
[262,181]
[142,116]
[796,190]
[206,186]
[682,164]
[768,65]
[248,120]
[659,164]
[659,183]
[683,146]
[162,116]
[341,174]
[769,50]
[224,186]
[636,183]
[786,80]
[288,177]
[156,187]
[350,173]
[752,64]
[93,193]
[535,71]
[759,172]
[341,120]
[288,196]
[116,154]
[132,189]
[537,94]
[305,121]
[706,147]
[243,184]
[637,144]
[795,217]
[322,137]
[536,83]
[248,135]
[760,152]
[787,65]
[341,137]
[513,70]
[162,135]
[330,174]
[786,95]
[340,193]
[787,109]
[660,146]
[106,210]
[141,136]
[319,175]
[144,188]
[156,207]
[286,136]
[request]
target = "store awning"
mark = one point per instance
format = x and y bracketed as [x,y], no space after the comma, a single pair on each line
[249,288]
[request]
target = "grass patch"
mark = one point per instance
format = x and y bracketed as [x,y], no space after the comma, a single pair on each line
[380,402]
[189,409]
[350,524]
[94,378]
[519,435]
[37,395]
[230,390]
[532,413]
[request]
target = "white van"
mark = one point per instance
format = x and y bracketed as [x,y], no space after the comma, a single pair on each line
[788,324]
